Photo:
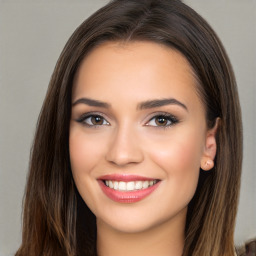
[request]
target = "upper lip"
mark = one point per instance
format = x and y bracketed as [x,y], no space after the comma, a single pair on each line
[124,177]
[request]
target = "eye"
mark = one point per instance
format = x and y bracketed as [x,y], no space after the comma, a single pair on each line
[93,120]
[163,120]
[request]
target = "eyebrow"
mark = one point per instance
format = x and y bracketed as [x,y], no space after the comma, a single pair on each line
[143,105]
[91,102]
[159,103]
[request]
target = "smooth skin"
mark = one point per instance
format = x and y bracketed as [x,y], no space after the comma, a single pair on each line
[116,131]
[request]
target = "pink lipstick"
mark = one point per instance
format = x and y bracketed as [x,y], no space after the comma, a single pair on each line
[127,188]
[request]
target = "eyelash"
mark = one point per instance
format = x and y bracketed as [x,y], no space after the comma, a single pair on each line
[166,116]
[82,119]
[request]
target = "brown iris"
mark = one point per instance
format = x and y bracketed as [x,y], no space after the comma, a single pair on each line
[97,120]
[161,121]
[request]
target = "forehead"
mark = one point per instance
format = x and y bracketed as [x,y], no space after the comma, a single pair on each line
[138,68]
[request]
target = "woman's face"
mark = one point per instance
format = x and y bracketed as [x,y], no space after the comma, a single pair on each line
[138,135]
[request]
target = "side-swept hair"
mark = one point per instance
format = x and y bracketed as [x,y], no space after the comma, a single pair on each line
[56,220]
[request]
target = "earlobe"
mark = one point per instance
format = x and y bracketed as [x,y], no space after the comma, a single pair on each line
[207,161]
[207,165]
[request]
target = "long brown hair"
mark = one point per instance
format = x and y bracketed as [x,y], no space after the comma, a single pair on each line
[56,220]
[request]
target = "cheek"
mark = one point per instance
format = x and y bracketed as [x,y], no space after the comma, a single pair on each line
[179,158]
[85,152]
[179,153]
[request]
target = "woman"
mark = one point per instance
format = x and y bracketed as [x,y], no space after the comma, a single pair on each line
[138,147]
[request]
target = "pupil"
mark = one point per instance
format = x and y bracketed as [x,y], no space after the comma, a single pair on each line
[161,120]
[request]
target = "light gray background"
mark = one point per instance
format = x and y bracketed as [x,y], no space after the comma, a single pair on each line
[32,35]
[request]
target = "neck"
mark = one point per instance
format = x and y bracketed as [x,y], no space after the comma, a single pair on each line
[163,240]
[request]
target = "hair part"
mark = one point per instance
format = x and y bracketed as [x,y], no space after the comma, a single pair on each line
[52,222]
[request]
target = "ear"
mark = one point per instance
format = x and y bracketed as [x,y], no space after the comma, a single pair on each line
[207,160]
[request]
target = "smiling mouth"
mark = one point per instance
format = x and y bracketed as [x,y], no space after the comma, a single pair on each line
[123,188]
[130,185]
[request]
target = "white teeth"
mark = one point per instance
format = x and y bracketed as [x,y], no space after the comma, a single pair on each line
[111,185]
[129,186]
[122,185]
[138,185]
[145,184]
[116,185]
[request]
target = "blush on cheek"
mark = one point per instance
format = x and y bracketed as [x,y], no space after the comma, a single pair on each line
[180,163]
[85,151]
[181,158]
[79,157]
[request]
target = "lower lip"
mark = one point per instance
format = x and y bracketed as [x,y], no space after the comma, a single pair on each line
[127,196]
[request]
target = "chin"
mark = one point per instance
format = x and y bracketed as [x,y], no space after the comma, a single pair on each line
[133,221]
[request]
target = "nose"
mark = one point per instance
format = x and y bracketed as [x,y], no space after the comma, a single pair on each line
[124,148]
